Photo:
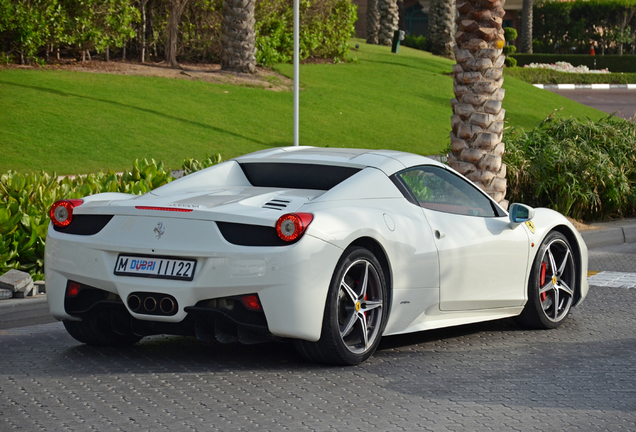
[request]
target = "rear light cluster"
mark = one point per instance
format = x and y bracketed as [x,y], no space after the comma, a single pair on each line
[292,226]
[62,211]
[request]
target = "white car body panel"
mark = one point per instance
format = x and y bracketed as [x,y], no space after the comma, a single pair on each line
[427,289]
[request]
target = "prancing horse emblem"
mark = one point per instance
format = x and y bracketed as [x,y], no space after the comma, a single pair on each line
[159,229]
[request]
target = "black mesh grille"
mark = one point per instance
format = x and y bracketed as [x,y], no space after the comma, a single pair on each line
[250,235]
[85,224]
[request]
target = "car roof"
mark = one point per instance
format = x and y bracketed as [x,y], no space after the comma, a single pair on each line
[389,161]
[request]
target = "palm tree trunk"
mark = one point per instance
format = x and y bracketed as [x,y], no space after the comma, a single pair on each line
[477,123]
[373,22]
[442,42]
[239,36]
[526,27]
[389,19]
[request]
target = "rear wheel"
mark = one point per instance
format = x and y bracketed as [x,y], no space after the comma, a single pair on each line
[551,284]
[92,332]
[355,312]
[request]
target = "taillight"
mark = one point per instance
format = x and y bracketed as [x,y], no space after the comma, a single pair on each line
[73,289]
[251,302]
[292,226]
[62,211]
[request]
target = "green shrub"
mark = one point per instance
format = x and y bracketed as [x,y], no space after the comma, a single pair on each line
[580,168]
[510,62]
[25,201]
[547,76]
[417,42]
[325,29]
[510,34]
[509,49]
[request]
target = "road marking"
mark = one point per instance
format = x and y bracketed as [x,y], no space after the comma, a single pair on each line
[592,273]
[613,279]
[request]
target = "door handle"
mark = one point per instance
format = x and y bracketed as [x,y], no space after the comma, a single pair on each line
[439,235]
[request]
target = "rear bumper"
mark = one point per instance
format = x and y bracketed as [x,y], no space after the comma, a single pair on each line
[291,281]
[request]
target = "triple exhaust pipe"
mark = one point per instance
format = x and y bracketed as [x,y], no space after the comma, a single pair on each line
[152,304]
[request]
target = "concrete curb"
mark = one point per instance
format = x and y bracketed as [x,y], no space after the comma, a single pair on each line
[24,312]
[611,233]
[585,86]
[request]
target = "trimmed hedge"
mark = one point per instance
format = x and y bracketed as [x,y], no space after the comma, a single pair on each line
[547,76]
[614,63]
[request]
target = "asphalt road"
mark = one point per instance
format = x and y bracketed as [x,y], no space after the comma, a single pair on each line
[485,377]
[621,101]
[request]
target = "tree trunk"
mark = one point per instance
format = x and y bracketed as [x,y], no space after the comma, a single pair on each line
[389,19]
[172,30]
[107,54]
[444,29]
[478,120]
[373,22]
[526,27]
[142,7]
[239,36]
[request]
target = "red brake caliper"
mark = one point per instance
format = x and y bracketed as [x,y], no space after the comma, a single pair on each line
[542,281]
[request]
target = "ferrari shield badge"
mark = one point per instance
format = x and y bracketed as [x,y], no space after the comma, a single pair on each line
[530,226]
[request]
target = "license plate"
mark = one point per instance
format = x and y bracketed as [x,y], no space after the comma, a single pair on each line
[155,267]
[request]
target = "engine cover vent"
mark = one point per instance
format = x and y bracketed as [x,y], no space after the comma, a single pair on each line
[276,204]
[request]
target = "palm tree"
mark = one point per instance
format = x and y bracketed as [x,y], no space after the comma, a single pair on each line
[441,27]
[526,27]
[477,123]
[373,22]
[239,36]
[389,19]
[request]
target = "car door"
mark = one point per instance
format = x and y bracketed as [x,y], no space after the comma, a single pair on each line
[482,259]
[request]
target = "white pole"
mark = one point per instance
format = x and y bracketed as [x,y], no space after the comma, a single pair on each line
[296,68]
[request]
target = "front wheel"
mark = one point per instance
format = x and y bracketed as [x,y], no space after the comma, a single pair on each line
[551,285]
[355,312]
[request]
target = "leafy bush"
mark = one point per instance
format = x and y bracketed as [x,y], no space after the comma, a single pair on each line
[25,201]
[580,168]
[417,42]
[191,165]
[547,76]
[325,29]
[510,62]
[614,63]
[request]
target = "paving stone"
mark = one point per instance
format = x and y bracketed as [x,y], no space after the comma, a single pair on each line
[16,280]
[5,294]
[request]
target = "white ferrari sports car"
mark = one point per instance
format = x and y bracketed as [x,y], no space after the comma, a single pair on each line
[328,248]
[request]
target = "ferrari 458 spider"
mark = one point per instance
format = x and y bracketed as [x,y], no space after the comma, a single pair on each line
[328,248]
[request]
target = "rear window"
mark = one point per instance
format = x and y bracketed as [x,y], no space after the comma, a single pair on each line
[295,175]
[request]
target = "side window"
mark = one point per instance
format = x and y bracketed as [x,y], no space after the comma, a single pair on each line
[437,189]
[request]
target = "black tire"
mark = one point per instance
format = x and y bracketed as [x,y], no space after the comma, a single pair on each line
[355,312]
[91,332]
[551,286]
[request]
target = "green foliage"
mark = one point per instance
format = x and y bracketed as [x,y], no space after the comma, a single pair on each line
[510,34]
[191,165]
[613,63]
[510,62]
[548,76]
[581,168]
[417,42]
[325,29]
[563,27]
[509,49]
[27,26]
[25,201]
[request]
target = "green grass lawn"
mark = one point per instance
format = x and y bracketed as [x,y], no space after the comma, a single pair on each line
[74,122]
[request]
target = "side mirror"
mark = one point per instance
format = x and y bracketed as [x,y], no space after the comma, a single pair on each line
[520,213]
